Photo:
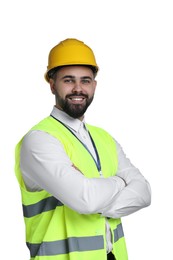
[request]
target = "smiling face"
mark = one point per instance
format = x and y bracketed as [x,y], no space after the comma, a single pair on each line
[74,88]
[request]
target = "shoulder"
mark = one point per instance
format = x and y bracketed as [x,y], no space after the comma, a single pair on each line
[96,128]
[98,131]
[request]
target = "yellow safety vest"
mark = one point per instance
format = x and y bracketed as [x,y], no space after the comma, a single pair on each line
[53,230]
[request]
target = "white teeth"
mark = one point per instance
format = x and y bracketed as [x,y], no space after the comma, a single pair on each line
[77,99]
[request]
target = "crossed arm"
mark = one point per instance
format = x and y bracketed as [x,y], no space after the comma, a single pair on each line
[45,165]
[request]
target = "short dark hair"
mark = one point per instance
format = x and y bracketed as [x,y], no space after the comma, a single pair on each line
[52,73]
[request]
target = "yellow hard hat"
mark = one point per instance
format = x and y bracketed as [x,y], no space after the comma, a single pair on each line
[70,52]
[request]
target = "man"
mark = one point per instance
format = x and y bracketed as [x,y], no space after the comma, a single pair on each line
[76,182]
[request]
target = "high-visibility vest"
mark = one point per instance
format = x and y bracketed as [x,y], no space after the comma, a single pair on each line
[53,230]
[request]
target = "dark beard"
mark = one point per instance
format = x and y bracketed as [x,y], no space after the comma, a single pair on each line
[74,110]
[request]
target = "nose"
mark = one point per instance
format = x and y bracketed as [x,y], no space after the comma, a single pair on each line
[77,87]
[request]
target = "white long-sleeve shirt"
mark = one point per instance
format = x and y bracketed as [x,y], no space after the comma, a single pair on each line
[45,165]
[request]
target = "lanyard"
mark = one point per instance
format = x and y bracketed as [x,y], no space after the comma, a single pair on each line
[97,162]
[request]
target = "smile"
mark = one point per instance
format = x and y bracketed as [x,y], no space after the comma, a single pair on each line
[77,99]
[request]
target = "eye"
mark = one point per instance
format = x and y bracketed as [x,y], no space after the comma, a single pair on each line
[68,80]
[86,81]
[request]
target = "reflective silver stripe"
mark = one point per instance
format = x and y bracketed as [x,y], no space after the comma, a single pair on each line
[66,246]
[118,233]
[47,204]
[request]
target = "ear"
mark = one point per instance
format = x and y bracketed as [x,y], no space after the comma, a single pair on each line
[95,84]
[52,86]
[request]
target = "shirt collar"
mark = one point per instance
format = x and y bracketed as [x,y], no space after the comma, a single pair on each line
[69,121]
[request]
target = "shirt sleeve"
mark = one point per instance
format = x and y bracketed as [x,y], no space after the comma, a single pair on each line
[136,194]
[45,165]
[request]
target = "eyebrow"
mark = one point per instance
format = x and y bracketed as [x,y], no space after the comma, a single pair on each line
[73,77]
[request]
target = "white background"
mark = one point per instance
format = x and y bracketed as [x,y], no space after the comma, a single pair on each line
[133,44]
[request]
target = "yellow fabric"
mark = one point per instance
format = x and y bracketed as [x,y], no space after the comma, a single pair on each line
[63,223]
